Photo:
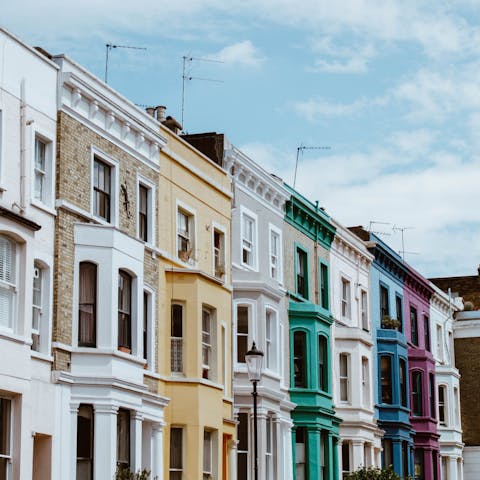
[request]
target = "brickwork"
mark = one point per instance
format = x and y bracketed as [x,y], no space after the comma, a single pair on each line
[467,359]
[74,173]
[466,287]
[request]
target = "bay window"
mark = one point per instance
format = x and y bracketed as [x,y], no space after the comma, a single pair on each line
[386,379]
[299,359]
[417,394]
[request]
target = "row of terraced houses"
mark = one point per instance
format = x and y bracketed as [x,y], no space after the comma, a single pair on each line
[137,267]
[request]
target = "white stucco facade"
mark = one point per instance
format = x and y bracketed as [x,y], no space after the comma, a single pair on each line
[353,351]
[27,218]
[261,316]
[442,309]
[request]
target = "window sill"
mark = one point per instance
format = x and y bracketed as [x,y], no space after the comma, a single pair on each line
[8,334]
[297,297]
[41,356]
[102,221]
[246,266]
[42,206]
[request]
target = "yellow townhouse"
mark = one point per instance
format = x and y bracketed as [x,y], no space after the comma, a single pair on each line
[195,295]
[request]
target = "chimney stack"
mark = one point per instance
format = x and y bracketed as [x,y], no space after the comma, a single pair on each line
[161,114]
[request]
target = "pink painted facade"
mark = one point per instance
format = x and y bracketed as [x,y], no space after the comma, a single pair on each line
[421,365]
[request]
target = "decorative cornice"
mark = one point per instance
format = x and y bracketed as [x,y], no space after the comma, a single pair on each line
[309,219]
[101,108]
[254,179]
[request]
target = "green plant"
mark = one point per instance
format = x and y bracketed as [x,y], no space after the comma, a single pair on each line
[373,473]
[124,473]
[391,323]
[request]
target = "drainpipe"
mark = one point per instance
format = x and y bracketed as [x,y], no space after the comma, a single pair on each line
[22,146]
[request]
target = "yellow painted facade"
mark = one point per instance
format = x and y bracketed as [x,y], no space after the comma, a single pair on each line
[194,217]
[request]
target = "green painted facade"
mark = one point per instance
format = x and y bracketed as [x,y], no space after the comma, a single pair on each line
[316,427]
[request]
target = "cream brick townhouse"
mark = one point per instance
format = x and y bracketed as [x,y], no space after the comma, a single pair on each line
[108,409]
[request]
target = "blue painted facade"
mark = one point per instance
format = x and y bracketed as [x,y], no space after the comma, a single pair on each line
[388,273]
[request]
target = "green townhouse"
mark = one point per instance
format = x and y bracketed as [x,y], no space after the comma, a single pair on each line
[308,235]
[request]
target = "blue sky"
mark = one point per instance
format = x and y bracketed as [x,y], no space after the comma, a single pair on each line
[391,86]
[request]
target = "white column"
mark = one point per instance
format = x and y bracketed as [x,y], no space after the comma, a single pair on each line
[287,453]
[452,468]
[261,441]
[357,454]
[105,441]
[136,421]
[339,457]
[232,459]
[157,451]
[73,439]
[278,447]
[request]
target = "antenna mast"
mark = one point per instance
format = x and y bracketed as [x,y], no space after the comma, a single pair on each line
[109,47]
[402,252]
[186,76]
[301,148]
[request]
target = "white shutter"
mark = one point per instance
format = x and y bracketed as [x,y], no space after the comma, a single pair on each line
[6,306]
[7,280]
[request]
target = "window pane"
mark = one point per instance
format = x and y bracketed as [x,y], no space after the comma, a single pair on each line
[403,382]
[101,189]
[417,393]
[386,379]
[5,417]
[123,438]
[87,307]
[414,325]
[124,310]
[176,332]
[85,439]
[176,449]
[299,360]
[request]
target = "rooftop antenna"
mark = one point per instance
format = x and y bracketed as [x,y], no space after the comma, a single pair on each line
[301,148]
[187,77]
[110,46]
[373,222]
[402,252]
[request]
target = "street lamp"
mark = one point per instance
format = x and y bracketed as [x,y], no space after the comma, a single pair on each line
[254,358]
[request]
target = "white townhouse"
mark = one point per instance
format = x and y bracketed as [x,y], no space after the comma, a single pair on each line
[28,122]
[260,315]
[109,413]
[443,307]
[353,390]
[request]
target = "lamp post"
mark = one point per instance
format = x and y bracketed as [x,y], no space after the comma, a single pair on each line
[254,358]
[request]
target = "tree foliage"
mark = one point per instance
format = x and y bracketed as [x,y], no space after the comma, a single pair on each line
[373,473]
[124,473]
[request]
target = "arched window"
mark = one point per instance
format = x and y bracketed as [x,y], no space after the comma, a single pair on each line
[299,359]
[8,281]
[87,305]
[124,310]
[386,379]
[417,394]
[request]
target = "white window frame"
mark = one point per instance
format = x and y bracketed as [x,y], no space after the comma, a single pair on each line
[216,227]
[364,317]
[43,331]
[12,287]
[48,196]
[209,473]
[346,300]
[151,322]
[252,309]
[269,452]
[446,419]
[244,212]
[344,379]
[440,343]
[456,407]
[191,215]
[211,347]
[365,365]
[114,187]
[271,344]
[278,276]
[151,203]
[10,433]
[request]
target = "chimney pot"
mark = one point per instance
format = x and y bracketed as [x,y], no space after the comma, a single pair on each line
[161,113]
[150,111]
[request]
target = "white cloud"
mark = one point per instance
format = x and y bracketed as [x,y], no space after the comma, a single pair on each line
[241,53]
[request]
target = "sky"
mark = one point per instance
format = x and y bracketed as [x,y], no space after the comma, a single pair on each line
[390,86]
